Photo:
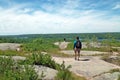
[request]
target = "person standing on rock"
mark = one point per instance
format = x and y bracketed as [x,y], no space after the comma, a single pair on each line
[64,39]
[77,48]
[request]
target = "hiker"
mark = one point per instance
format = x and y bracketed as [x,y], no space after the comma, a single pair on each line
[64,39]
[77,47]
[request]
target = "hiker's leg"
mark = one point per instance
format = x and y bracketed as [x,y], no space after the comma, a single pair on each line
[78,54]
[75,50]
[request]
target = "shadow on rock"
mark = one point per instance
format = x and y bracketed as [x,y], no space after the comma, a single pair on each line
[84,59]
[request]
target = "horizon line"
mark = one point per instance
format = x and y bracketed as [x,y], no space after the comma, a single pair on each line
[56,33]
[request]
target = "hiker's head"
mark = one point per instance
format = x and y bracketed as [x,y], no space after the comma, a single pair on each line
[77,38]
[64,39]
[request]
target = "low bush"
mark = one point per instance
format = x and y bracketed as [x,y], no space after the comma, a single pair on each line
[6,64]
[119,77]
[70,46]
[10,70]
[40,45]
[42,59]
[64,73]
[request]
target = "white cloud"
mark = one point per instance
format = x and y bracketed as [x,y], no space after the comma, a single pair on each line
[117,6]
[41,22]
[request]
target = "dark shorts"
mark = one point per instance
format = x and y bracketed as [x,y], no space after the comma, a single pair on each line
[77,50]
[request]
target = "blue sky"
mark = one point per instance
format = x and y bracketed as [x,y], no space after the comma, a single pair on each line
[59,16]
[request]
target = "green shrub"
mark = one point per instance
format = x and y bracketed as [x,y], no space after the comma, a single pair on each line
[119,77]
[42,59]
[64,73]
[22,73]
[70,46]
[40,45]
[10,70]
[6,64]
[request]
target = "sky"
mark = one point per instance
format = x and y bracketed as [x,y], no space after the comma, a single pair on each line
[59,16]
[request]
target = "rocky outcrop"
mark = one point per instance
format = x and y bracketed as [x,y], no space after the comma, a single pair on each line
[9,46]
[48,73]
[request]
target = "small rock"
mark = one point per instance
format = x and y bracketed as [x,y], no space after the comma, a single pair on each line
[18,58]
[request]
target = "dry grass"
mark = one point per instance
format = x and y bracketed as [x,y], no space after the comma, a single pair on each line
[76,77]
[115,61]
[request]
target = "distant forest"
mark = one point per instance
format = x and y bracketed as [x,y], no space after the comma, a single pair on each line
[69,37]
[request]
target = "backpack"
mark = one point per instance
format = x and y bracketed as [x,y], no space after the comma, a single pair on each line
[78,44]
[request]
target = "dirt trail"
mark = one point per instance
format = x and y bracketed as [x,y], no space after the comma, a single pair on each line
[88,66]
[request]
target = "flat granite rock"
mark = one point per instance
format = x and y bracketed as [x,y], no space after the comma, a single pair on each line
[9,46]
[108,76]
[48,72]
